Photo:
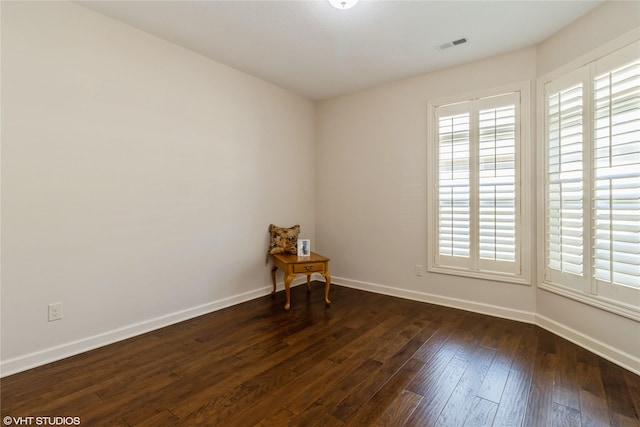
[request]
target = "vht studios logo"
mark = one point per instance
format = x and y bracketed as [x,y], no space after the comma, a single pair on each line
[41,421]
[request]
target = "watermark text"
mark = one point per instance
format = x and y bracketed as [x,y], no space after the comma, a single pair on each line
[40,421]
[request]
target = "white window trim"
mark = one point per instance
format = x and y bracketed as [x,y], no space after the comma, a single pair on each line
[526,151]
[613,306]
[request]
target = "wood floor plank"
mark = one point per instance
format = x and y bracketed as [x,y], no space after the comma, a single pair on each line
[594,410]
[633,383]
[350,405]
[513,404]
[326,420]
[160,419]
[307,383]
[443,371]
[436,397]
[566,386]
[513,401]
[617,391]
[623,421]
[437,354]
[281,418]
[260,384]
[355,368]
[381,401]
[481,414]
[399,410]
[389,347]
[368,359]
[338,388]
[525,354]
[368,340]
[461,399]
[540,402]
[494,382]
[563,416]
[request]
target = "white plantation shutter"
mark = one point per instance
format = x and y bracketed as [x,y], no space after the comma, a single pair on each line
[616,177]
[592,197]
[477,180]
[497,179]
[454,183]
[565,176]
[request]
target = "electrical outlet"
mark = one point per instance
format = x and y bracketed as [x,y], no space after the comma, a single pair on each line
[55,311]
[419,270]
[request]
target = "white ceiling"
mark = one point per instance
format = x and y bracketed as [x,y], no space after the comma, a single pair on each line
[320,52]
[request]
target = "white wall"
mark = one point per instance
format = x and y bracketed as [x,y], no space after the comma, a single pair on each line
[138,181]
[607,22]
[372,186]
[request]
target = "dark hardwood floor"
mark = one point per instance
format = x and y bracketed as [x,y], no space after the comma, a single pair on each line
[367,360]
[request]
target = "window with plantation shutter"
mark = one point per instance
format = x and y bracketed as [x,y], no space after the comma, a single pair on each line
[497,196]
[616,174]
[454,185]
[476,193]
[592,185]
[565,175]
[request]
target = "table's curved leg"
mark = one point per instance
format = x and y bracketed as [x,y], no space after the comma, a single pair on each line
[308,283]
[273,279]
[287,290]
[327,278]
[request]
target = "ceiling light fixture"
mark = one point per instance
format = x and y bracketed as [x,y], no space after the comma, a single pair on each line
[343,4]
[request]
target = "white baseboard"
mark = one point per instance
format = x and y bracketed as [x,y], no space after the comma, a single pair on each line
[52,354]
[603,350]
[476,307]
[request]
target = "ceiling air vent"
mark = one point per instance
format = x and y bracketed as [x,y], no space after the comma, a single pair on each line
[452,44]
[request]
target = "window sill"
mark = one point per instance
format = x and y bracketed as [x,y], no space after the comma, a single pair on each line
[483,275]
[615,307]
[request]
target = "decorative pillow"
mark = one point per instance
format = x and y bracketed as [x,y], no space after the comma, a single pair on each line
[284,240]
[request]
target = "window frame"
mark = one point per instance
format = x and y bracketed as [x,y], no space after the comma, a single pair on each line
[524,189]
[589,291]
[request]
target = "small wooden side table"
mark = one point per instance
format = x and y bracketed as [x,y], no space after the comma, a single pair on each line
[292,265]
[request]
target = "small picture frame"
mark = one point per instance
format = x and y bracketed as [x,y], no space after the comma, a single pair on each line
[304,247]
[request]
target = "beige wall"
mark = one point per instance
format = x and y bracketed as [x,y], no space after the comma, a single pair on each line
[138,180]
